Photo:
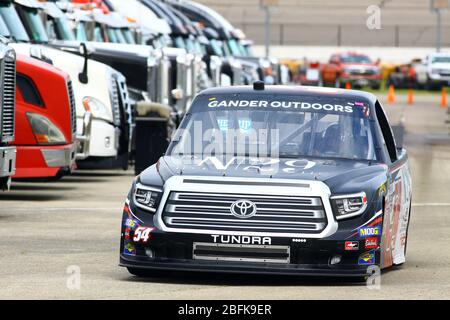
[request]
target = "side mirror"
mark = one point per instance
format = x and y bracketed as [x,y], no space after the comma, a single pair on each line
[177,94]
[83,76]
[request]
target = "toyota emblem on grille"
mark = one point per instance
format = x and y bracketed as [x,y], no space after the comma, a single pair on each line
[243,209]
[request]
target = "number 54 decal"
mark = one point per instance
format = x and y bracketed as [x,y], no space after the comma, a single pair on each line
[142,234]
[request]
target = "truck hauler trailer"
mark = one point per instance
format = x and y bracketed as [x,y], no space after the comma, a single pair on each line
[7,113]
[101,94]
[45,121]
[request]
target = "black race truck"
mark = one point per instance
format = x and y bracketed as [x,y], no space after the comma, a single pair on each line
[276,180]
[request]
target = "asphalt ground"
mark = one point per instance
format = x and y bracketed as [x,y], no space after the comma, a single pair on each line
[50,231]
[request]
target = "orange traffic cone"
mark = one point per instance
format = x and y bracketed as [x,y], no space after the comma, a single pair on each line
[444,98]
[348,85]
[410,97]
[391,95]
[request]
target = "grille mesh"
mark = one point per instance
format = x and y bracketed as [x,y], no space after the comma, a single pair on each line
[8,69]
[115,99]
[274,214]
[73,111]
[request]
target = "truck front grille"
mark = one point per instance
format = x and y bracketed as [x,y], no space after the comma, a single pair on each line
[8,98]
[362,72]
[115,100]
[274,214]
[73,110]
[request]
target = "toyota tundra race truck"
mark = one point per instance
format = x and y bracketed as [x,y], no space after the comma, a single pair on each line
[281,180]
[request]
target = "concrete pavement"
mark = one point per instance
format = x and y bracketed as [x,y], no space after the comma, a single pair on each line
[47,228]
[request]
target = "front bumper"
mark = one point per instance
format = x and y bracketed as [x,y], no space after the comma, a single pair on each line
[97,139]
[360,80]
[7,161]
[178,252]
[44,161]
[439,79]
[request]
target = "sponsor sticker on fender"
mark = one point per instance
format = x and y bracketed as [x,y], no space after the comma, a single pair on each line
[366,232]
[371,243]
[351,245]
[367,258]
[129,249]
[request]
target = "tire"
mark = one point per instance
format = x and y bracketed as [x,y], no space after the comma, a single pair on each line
[144,273]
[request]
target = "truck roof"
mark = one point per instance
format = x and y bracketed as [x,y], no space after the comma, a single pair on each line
[293,90]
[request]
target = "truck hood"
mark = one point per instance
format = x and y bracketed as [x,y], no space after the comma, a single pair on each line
[340,175]
[445,66]
[99,74]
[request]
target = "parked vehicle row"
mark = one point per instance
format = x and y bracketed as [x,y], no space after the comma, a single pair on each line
[358,70]
[87,69]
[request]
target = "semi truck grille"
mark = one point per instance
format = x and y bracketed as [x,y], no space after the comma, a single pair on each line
[115,100]
[274,214]
[8,98]
[73,110]
[238,252]
[124,99]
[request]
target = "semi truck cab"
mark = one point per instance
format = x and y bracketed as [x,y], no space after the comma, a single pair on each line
[46,121]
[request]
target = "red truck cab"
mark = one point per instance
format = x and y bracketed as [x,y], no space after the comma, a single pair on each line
[45,121]
[354,68]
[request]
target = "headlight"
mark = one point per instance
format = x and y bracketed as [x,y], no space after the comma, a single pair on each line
[45,131]
[146,198]
[97,108]
[348,206]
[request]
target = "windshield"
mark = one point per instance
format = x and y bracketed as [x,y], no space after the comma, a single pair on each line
[217,47]
[81,34]
[179,43]
[234,48]
[63,30]
[290,128]
[128,36]
[13,23]
[111,35]
[119,35]
[441,60]
[355,59]
[35,25]
[4,29]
